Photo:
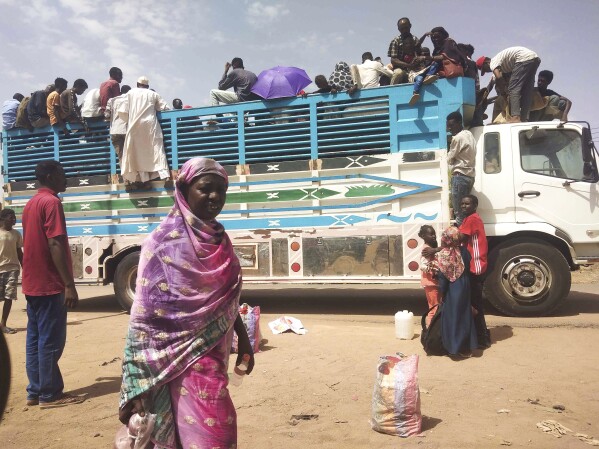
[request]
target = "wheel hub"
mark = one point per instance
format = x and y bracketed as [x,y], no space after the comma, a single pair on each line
[526,278]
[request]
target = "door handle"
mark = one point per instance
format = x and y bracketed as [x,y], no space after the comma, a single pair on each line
[528,193]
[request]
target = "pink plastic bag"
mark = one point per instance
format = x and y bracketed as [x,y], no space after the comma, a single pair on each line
[251,320]
[396,397]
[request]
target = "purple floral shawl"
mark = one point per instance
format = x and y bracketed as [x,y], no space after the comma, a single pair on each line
[186,300]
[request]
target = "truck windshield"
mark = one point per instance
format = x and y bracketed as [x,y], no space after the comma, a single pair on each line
[552,152]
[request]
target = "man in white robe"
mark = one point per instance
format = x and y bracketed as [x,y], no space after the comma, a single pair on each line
[144,158]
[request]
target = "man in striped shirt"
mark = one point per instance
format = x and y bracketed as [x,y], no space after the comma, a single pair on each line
[475,239]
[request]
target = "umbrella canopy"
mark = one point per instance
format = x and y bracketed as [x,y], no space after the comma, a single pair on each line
[280,82]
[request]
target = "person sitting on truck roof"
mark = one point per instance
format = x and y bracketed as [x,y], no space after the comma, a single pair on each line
[90,108]
[402,51]
[118,127]
[445,49]
[384,80]
[53,104]
[341,76]
[419,74]
[144,158]
[22,117]
[239,79]
[9,111]
[323,86]
[521,64]
[470,69]
[37,110]
[558,106]
[111,87]
[178,104]
[367,74]
[68,102]
[461,159]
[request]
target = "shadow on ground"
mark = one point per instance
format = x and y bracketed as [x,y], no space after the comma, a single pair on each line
[347,301]
[337,301]
[99,304]
[578,302]
[429,423]
[372,301]
[101,387]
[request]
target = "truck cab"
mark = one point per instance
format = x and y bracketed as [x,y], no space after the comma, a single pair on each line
[539,199]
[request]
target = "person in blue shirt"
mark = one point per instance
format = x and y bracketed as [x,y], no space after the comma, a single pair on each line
[9,111]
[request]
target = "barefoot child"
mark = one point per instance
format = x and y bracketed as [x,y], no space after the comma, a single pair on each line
[429,269]
[11,259]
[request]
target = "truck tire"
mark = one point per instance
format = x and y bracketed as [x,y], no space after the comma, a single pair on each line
[124,280]
[527,277]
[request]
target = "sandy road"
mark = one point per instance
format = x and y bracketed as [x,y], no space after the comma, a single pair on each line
[329,372]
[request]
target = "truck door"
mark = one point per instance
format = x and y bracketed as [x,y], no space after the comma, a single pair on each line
[494,182]
[549,183]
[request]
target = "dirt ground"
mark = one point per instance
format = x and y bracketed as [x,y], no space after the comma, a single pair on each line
[533,364]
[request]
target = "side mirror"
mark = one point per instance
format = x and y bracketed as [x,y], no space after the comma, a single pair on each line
[589,171]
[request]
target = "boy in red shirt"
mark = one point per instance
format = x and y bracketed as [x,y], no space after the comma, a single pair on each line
[475,240]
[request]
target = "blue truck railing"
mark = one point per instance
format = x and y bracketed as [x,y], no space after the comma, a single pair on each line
[373,121]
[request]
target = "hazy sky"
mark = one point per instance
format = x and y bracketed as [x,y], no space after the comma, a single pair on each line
[182,45]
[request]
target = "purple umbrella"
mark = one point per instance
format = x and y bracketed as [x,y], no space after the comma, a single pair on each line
[280,82]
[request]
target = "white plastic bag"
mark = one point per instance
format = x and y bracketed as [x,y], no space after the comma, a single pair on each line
[396,397]
[137,434]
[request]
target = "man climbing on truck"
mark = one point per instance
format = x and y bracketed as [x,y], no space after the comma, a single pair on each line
[461,159]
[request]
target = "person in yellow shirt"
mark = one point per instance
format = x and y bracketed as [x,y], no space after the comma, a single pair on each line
[53,105]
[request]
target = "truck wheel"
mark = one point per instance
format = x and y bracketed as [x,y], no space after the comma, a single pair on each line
[528,277]
[124,280]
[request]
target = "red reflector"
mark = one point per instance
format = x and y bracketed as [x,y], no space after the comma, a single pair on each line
[295,267]
[89,269]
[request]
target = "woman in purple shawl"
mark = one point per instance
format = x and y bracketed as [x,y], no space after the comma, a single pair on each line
[182,320]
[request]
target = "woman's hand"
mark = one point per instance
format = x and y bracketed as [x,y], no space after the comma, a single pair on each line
[132,407]
[243,344]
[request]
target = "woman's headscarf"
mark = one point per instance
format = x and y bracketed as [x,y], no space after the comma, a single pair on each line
[449,258]
[186,300]
[341,76]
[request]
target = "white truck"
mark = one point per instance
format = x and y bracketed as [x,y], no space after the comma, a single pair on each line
[334,188]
